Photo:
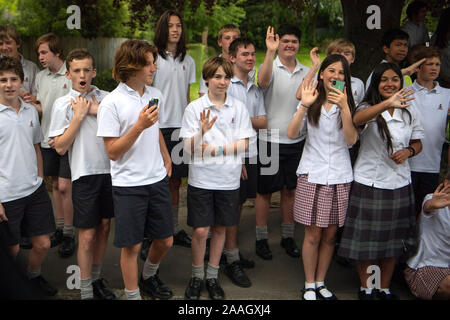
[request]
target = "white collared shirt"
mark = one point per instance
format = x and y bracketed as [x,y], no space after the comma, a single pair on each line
[357,90]
[232,124]
[280,101]
[87,155]
[50,86]
[30,70]
[325,158]
[172,78]
[142,164]
[253,99]
[19,132]
[373,166]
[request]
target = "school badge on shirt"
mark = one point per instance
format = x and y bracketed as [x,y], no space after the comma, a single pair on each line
[31,124]
[440,107]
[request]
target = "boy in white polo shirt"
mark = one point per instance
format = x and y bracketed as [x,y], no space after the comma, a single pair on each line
[140,166]
[25,207]
[175,73]
[216,129]
[51,83]
[432,103]
[279,79]
[74,129]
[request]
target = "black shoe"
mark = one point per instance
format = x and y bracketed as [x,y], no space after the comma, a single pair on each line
[182,239]
[56,238]
[45,287]
[194,289]
[291,248]
[263,250]
[362,295]
[144,248]
[101,292]
[25,243]
[155,288]
[320,296]
[236,274]
[386,296]
[214,289]
[246,263]
[67,247]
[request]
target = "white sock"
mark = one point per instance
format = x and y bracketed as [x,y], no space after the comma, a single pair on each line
[385,291]
[324,292]
[367,290]
[310,295]
[133,294]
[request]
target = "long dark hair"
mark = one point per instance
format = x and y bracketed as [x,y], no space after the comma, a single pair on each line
[162,35]
[315,109]
[374,97]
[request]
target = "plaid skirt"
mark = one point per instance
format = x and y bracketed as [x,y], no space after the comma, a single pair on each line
[380,223]
[320,205]
[425,281]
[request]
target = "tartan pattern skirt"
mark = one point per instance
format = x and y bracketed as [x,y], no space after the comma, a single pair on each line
[320,205]
[380,223]
[425,281]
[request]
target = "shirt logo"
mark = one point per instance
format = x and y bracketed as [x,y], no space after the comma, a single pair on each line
[184,68]
[232,121]
[440,107]
[356,93]
[31,124]
[26,79]
[65,86]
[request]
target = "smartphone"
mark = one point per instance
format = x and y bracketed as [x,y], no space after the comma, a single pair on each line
[338,84]
[153,102]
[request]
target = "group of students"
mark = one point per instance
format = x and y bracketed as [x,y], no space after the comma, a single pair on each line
[123,154]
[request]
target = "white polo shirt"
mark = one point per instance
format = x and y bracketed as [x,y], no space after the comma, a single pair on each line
[87,155]
[280,101]
[172,78]
[373,166]
[19,132]
[253,99]
[142,164]
[232,124]
[325,157]
[30,70]
[358,90]
[434,239]
[369,79]
[432,109]
[418,34]
[50,86]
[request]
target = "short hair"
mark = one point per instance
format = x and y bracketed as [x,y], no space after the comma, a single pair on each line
[393,34]
[78,54]
[341,45]
[162,35]
[211,65]
[130,57]
[420,51]
[7,31]
[285,29]
[54,44]
[227,28]
[237,43]
[11,64]
[414,7]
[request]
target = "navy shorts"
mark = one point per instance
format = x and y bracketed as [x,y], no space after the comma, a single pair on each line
[92,200]
[54,164]
[212,207]
[175,148]
[27,217]
[142,210]
[248,187]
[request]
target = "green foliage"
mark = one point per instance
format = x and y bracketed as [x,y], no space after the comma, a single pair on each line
[105,81]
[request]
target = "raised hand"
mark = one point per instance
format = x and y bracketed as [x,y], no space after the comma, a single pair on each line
[80,107]
[147,117]
[309,92]
[314,56]
[413,68]
[272,40]
[441,196]
[205,124]
[401,98]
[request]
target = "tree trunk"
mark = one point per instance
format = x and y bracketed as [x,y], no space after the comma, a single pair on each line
[205,39]
[368,41]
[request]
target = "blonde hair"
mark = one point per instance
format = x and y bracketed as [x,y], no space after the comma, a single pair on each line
[341,45]
[227,28]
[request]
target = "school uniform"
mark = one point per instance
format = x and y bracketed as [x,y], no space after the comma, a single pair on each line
[213,183]
[432,108]
[91,189]
[22,191]
[30,70]
[140,184]
[358,90]
[324,173]
[380,222]
[418,34]
[280,105]
[253,99]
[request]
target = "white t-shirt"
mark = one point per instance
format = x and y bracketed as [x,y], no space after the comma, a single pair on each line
[19,132]
[172,78]
[358,90]
[142,164]
[50,86]
[280,101]
[418,34]
[87,155]
[253,99]
[30,70]
[373,166]
[434,239]
[232,124]
[432,108]
[325,158]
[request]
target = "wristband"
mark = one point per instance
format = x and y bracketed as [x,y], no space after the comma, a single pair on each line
[302,105]
[412,150]
[219,151]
